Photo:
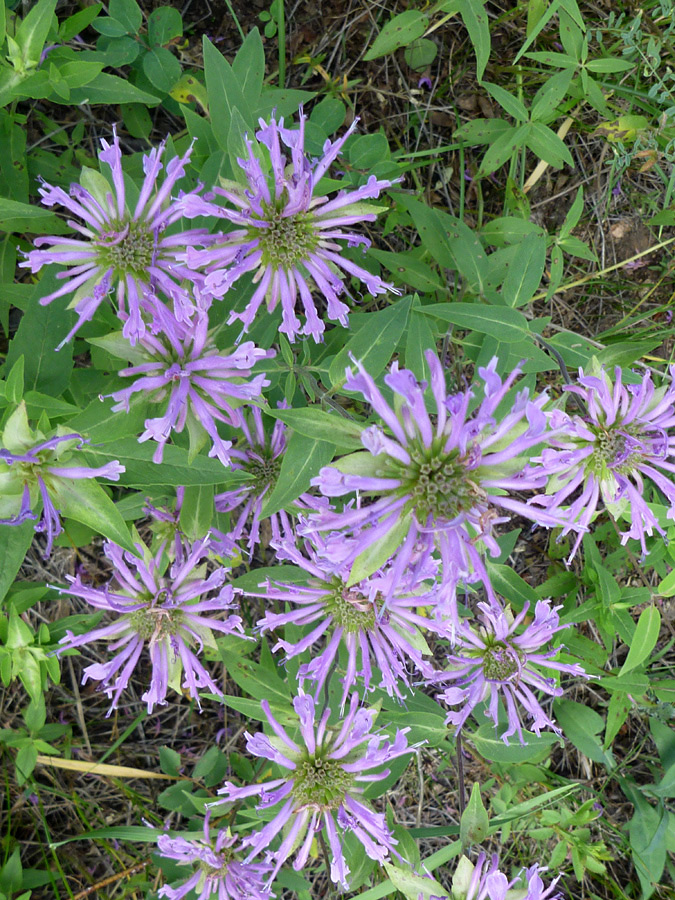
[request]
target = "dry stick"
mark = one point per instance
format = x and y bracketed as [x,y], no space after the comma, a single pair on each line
[127,873]
[78,706]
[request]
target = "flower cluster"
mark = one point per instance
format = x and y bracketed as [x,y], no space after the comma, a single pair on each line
[447,482]
[219,872]
[325,775]
[285,232]
[486,882]
[606,453]
[35,468]
[491,659]
[171,613]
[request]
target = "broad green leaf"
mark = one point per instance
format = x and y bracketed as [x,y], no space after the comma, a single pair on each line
[424,726]
[164,24]
[400,31]
[526,271]
[128,12]
[224,93]
[85,501]
[490,746]
[344,434]
[196,512]
[248,67]
[581,725]
[110,89]
[508,102]
[548,146]
[14,543]
[507,325]
[303,459]
[33,30]
[175,470]
[17,216]
[377,554]
[161,68]
[40,331]
[509,585]
[414,887]
[502,149]
[409,269]
[256,679]
[374,342]
[644,639]
[475,20]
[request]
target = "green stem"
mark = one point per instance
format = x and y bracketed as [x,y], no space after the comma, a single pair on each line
[281,25]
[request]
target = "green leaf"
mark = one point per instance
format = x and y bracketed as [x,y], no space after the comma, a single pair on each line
[509,585]
[14,543]
[169,761]
[196,512]
[473,826]
[581,725]
[31,34]
[110,89]
[510,104]
[374,342]
[164,24]
[26,759]
[161,68]
[39,332]
[507,325]
[409,269]
[644,639]
[175,470]
[248,67]
[526,270]
[332,428]
[256,680]
[502,149]
[140,833]
[303,459]
[548,146]
[424,726]
[224,93]
[73,25]
[475,20]
[492,747]
[414,887]
[376,555]
[16,216]
[128,12]
[85,501]
[366,150]
[400,31]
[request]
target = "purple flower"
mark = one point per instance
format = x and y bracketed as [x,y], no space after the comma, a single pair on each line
[389,639]
[491,660]
[261,458]
[284,234]
[33,468]
[120,249]
[483,882]
[606,453]
[326,774]
[203,386]
[171,613]
[446,480]
[218,871]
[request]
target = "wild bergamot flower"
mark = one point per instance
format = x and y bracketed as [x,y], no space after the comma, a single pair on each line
[285,233]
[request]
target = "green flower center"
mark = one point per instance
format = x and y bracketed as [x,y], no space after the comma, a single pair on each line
[287,241]
[131,254]
[350,609]
[265,471]
[438,482]
[321,783]
[501,663]
[609,445]
[154,622]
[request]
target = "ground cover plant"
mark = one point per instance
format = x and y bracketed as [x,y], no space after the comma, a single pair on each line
[337,444]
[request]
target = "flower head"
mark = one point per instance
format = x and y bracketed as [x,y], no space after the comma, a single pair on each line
[445,480]
[606,453]
[492,660]
[129,251]
[203,386]
[173,613]
[326,773]
[261,457]
[487,882]
[34,467]
[386,638]
[284,233]
[219,873]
